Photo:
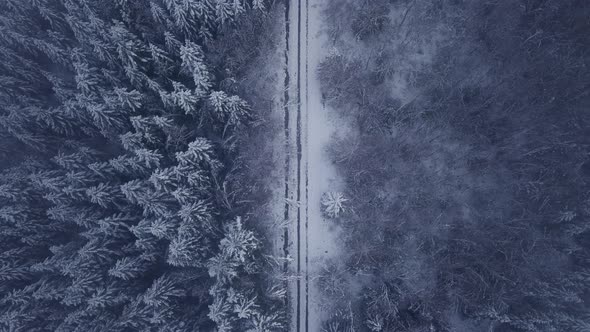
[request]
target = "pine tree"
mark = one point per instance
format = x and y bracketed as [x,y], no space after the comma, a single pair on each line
[129,268]
[192,62]
[238,242]
[161,293]
[190,249]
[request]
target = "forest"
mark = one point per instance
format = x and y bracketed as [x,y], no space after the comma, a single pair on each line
[467,175]
[124,196]
[138,165]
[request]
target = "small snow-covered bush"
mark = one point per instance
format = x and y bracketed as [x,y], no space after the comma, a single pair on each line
[333,203]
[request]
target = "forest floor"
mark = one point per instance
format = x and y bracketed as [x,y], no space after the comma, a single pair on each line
[309,238]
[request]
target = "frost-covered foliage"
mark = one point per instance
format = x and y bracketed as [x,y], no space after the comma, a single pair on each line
[468,174]
[333,203]
[113,168]
[236,307]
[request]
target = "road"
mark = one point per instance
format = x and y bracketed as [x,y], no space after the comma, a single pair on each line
[296,163]
[307,172]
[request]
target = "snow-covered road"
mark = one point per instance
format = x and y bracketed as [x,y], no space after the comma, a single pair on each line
[309,239]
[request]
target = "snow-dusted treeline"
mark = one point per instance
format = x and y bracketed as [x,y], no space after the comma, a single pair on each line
[468,178]
[119,191]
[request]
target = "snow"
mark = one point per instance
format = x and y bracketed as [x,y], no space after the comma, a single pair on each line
[317,126]
[323,125]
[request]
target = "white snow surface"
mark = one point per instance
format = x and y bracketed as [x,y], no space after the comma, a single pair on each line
[313,239]
[323,126]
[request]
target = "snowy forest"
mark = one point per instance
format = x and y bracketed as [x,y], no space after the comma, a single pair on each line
[122,202]
[141,146]
[467,177]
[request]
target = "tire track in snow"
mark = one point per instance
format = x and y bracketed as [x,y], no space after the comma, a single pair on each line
[297,171]
[306,169]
